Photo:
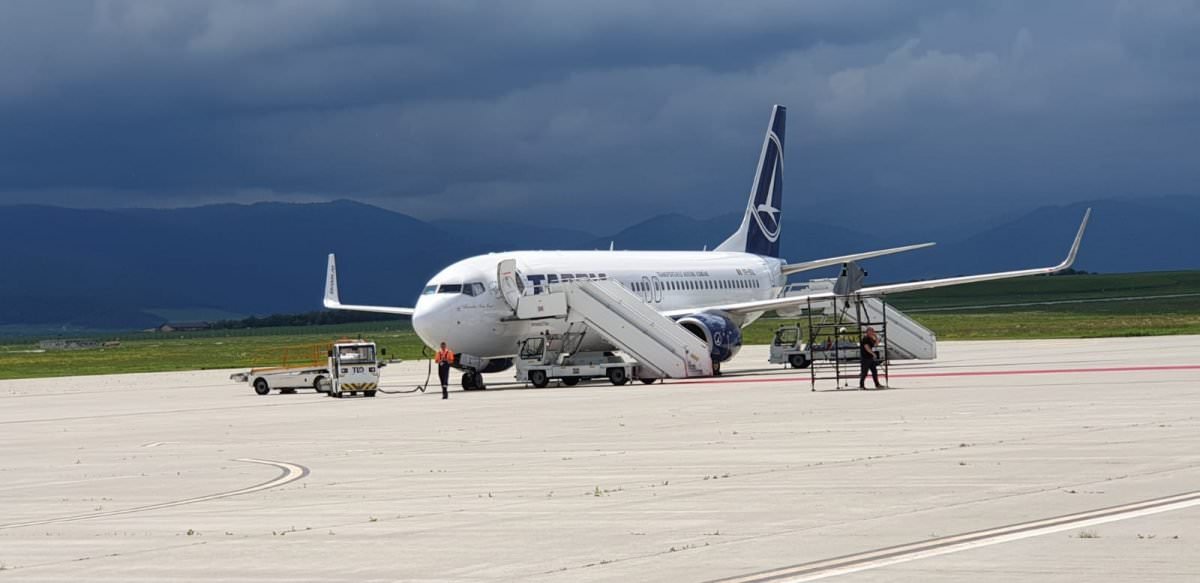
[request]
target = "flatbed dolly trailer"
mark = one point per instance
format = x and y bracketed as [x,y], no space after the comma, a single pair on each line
[350,368]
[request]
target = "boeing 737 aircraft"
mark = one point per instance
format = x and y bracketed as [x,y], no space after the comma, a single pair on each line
[713,294]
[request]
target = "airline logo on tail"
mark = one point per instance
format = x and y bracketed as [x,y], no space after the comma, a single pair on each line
[766,213]
[766,201]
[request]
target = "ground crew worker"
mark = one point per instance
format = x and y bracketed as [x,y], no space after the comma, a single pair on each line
[866,359]
[444,359]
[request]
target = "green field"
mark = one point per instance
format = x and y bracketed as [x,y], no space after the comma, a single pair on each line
[1066,288]
[1068,306]
[152,352]
[978,311]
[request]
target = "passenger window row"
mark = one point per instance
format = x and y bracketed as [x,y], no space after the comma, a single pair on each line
[476,288]
[698,284]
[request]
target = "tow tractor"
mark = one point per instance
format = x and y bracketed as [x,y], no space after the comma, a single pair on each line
[789,347]
[546,357]
[350,368]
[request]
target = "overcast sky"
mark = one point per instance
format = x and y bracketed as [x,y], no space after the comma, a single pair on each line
[524,110]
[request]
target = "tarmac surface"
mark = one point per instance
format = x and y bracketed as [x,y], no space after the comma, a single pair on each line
[1063,460]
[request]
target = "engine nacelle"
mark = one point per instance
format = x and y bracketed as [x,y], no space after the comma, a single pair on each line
[497,365]
[724,337]
[481,365]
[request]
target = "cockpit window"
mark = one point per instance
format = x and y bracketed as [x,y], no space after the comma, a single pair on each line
[473,289]
[428,290]
[450,288]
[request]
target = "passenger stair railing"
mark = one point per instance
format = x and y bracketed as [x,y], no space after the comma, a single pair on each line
[623,319]
[907,339]
[661,347]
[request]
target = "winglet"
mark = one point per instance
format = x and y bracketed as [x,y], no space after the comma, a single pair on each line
[331,287]
[1075,246]
[334,302]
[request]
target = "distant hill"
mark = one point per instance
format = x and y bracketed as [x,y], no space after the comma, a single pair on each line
[117,268]
[512,236]
[107,268]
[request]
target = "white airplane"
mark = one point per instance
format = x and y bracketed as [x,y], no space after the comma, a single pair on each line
[714,294]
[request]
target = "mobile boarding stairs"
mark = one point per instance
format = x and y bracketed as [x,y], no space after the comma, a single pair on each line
[907,339]
[659,347]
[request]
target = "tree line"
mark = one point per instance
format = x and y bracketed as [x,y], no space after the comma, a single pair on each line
[317,318]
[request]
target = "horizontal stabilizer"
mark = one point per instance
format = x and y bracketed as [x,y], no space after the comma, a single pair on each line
[333,302]
[819,263]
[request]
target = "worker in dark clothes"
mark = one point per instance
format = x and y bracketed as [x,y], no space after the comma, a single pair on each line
[444,359]
[866,359]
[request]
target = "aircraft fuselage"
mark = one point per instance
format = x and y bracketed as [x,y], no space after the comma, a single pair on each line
[462,305]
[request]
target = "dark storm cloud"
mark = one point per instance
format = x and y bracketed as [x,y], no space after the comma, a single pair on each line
[552,106]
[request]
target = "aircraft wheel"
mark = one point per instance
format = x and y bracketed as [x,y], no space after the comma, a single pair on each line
[798,361]
[570,381]
[617,376]
[472,381]
[261,387]
[716,369]
[538,378]
[648,381]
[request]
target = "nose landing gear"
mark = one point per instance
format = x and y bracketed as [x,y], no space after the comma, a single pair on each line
[472,380]
[473,368]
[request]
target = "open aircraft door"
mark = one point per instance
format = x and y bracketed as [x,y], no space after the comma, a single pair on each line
[512,286]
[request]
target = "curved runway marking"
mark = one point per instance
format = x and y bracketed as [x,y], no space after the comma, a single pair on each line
[290,473]
[961,542]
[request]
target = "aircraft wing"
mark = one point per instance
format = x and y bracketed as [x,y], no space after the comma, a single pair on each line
[880,290]
[334,303]
[819,263]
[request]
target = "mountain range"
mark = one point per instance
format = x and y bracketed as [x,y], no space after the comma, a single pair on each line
[133,268]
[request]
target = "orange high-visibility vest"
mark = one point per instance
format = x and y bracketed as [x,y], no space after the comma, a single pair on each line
[444,356]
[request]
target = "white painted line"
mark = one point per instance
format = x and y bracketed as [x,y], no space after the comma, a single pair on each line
[952,544]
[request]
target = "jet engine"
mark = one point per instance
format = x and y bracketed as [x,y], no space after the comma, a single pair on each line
[724,337]
[497,365]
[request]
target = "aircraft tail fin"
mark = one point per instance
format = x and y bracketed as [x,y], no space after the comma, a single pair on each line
[759,232]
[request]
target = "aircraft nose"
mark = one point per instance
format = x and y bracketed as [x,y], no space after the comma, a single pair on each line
[423,323]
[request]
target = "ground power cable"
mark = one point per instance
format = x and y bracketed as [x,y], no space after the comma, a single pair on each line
[428,354]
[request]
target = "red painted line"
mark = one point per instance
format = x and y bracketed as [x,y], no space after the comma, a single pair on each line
[1052,371]
[962,374]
